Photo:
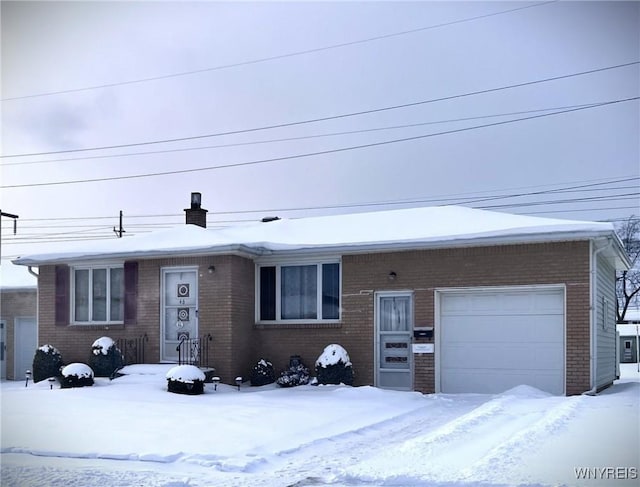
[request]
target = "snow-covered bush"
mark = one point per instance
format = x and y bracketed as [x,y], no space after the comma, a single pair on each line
[296,375]
[47,362]
[76,375]
[262,373]
[105,357]
[185,379]
[334,366]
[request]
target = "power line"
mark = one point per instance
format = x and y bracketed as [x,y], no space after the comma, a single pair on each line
[311,154]
[582,185]
[332,117]
[273,58]
[442,200]
[304,137]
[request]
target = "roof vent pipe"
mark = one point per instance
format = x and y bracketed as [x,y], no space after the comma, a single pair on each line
[196,215]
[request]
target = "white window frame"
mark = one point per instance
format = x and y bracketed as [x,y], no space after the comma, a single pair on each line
[91,268]
[302,262]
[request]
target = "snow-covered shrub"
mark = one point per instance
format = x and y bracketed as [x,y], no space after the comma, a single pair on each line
[76,375]
[262,373]
[334,366]
[296,375]
[47,362]
[105,357]
[185,379]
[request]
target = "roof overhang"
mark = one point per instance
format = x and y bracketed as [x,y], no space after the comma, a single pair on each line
[615,252]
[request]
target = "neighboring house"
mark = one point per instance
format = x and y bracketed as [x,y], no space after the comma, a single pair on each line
[438,299]
[18,323]
[629,343]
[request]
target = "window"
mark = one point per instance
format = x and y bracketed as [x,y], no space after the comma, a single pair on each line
[98,294]
[309,292]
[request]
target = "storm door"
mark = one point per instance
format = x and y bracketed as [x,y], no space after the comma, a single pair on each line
[179,309]
[394,324]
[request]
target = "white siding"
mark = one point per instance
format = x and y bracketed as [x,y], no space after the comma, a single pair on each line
[606,335]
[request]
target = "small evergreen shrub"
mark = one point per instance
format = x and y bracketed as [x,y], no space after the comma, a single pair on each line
[105,358]
[334,366]
[185,379]
[262,373]
[47,362]
[296,375]
[76,375]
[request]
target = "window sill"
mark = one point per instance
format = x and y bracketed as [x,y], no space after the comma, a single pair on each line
[279,325]
[97,326]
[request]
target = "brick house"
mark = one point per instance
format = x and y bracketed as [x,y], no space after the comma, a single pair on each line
[444,299]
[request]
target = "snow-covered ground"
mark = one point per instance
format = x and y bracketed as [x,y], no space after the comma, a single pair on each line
[132,432]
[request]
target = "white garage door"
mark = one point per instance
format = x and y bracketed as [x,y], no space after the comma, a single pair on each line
[491,341]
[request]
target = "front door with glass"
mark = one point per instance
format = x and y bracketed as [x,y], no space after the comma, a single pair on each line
[394,324]
[179,314]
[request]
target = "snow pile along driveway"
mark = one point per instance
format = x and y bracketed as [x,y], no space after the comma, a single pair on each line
[308,435]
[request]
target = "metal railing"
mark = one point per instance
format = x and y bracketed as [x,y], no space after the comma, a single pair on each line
[194,351]
[132,349]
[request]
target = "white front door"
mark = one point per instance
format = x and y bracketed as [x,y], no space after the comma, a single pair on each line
[179,313]
[394,325]
[25,345]
[3,350]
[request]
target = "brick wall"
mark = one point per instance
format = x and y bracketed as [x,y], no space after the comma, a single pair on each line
[227,309]
[425,271]
[228,316]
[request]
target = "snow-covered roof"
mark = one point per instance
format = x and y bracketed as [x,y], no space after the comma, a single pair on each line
[374,231]
[628,330]
[632,315]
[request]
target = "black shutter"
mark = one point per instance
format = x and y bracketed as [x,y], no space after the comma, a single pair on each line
[62,293]
[130,292]
[267,293]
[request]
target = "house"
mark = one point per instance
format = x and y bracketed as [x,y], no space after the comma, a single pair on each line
[628,332]
[18,323]
[433,299]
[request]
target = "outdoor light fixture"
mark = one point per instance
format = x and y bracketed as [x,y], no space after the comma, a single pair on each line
[216,381]
[51,381]
[392,276]
[27,376]
[238,382]
[211,269]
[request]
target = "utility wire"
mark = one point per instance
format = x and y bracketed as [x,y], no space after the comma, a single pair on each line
[289,139]
[446,200]
[273,58]
[311,154]
[574,185]
[332,117]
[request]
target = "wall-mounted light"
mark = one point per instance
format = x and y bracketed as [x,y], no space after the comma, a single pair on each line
[392,276]
[211,269]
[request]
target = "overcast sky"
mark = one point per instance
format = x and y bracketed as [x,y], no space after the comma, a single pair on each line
[72,79]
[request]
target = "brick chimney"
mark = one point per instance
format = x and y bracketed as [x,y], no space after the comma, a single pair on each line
[196,215]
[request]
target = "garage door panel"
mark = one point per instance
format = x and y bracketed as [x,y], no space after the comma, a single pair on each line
[503,329]
[501,339]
